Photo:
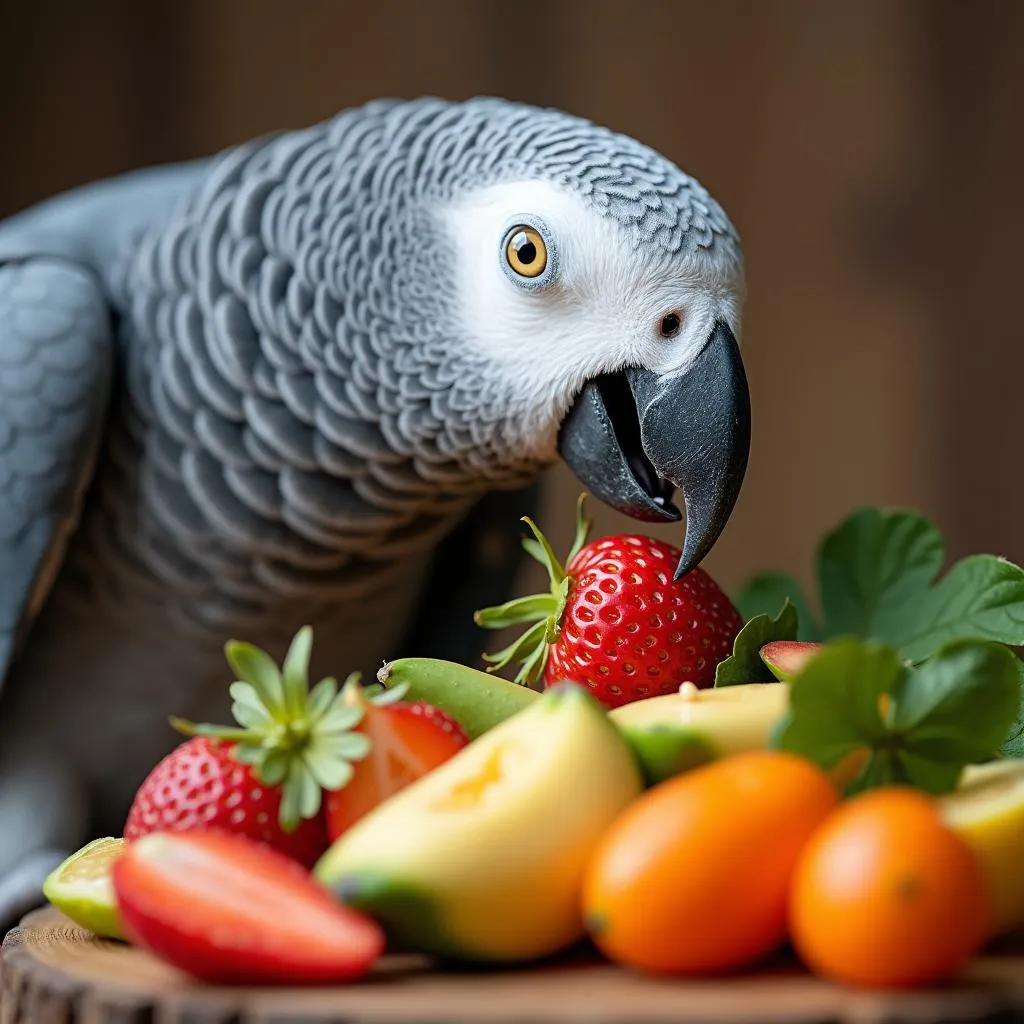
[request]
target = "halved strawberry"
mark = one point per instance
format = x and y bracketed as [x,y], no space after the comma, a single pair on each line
[407,740]
[230,911]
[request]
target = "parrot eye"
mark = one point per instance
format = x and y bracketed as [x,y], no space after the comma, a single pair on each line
[526,252]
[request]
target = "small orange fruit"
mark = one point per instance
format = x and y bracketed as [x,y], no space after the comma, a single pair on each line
[887,895]
[693,876]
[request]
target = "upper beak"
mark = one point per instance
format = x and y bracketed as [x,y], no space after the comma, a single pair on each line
[631,438]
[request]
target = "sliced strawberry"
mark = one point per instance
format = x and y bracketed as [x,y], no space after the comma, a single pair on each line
[230,911]
[407,740]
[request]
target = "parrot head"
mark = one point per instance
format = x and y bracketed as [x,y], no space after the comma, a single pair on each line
[604,288]
[519,284]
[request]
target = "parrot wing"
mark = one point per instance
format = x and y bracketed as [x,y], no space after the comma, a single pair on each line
[56,370]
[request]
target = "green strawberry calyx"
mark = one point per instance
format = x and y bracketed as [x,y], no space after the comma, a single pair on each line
[542,611]
[299,738]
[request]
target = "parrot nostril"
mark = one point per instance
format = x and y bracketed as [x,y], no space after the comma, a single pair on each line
[670,324]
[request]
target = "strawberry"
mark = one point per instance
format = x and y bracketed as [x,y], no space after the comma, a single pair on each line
[407,740]
[230,911]
[200,785]
[615,620]
[264,777]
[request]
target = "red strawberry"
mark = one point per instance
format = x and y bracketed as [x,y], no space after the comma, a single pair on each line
[263,778]
[199,785]
[616,621]
[230,911]
[407,740]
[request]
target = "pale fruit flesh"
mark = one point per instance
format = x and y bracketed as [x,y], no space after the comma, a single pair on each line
[679,731]
[484,857]
[82,890]
[987,810]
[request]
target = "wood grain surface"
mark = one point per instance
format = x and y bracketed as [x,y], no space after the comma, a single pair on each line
[53,971]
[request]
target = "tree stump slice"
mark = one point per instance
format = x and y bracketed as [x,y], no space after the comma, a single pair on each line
[53,972]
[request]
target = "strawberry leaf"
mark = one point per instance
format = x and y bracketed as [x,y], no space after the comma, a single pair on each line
[322,697]
[744,665]
[291,736]
[295,671]
[245,696]
[273,767]
[767,592]
[257,668]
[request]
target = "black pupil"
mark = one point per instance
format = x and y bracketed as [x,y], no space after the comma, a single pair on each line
[526,251]
[670,324]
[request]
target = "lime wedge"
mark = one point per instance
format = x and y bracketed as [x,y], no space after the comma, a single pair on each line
[82,889]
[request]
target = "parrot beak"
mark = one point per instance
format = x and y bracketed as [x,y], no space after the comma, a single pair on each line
[632,438]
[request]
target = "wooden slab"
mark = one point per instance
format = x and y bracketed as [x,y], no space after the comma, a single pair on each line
[52,971]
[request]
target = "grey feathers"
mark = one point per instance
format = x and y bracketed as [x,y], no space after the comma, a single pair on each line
[56,363]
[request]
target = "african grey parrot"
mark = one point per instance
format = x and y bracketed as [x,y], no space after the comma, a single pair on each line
[246,393]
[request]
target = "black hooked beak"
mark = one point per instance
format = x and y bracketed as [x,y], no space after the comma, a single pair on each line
[632,437]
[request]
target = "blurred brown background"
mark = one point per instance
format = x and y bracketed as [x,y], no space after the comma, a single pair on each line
[869,151]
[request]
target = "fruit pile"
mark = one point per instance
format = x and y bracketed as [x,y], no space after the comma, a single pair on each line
[688,787]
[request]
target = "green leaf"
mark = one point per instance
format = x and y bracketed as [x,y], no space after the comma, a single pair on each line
[219,732]
[834,702]
[744,665]
[295,671]
[330,773]
[871,568]
[917,725]
[981,596]
[244,695]
[340,719]
[556,571]
[250,753]
[274,767]
[583,525]
[767,592]
[391,695]
[879,578]
[959,705]
[257,668]
[519,649]
[250,718]
[522,609]
[534,550]
[936,777]
[1013,745]
[322,697]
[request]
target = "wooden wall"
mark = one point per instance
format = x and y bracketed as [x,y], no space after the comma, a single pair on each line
[870,152]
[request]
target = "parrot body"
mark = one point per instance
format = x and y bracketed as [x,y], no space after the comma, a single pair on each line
[244,394]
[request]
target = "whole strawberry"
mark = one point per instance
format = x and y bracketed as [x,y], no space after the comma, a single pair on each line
[200,786]
[265,777]
[616,621]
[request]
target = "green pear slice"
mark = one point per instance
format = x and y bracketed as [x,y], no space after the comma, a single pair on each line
[483,858]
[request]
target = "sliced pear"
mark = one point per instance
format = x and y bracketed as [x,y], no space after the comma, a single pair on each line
[678,731]
[81,888]
[987,809]
[483,858]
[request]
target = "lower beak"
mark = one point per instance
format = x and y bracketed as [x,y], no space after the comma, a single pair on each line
[632,438]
